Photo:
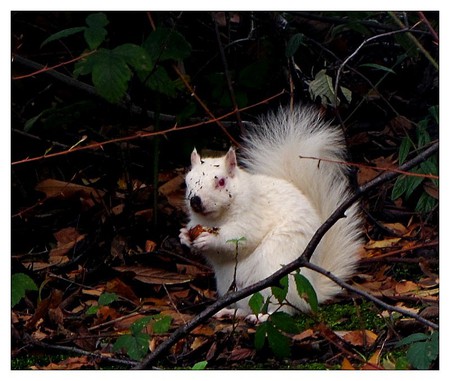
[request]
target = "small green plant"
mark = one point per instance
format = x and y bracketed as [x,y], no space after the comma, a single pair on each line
[135,343]
[20,285]
[406,185]
[104,299]
[423,350]
[279,323]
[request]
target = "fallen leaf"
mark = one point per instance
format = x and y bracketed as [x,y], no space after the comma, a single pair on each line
[406,287]
[198,342]
[71,363]
[152,275]
[66,239]
[150,246]
[120,288]
[389,242]
[359,337]
[304,335]
[56,188]
[346,365]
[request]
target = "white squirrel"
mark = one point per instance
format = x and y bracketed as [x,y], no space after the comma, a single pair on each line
[276,203]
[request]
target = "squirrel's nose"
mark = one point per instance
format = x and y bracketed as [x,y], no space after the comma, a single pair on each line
[196,204]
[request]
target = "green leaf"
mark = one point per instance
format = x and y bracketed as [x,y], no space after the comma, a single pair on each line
[92,310]
[423,137]
[424,349]
[20,284]
[278,343]
[378,67]
[63,33]
[280,292]
[284,322]
[136,346]
[160,82]
[434,112]
[94,36]
[107,298]
[256,302]
[161,323]
[137,327]
[294,43]
[306,291]
[110,75]
[426,203]
[399,187]
[165,44]
[200,365]
[31,122]
[97,20]
[404,149]
[419,355]
[260,335]
[415,337]
[322,87]
[135,56]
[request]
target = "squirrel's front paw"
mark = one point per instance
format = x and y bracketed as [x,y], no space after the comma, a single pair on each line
[185,237]
[203,241]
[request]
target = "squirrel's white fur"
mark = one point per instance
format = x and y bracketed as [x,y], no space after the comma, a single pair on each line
[276,204]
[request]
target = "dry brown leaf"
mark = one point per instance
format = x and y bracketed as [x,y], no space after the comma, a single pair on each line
[71,363]
[152,275]
[346,365]
[198,342]
[66,239]
[55,188]
[150,246]
[238,354]
[120,288]
[304,335]
[406,287]
[174,192]
[389,242]
[359,337]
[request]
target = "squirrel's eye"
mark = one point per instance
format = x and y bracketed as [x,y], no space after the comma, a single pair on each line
[221,182]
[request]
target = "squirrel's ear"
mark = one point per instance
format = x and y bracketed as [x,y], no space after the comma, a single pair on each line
[195,158]
[231,162]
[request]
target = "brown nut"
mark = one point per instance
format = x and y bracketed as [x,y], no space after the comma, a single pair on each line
[199,229]
[195,232]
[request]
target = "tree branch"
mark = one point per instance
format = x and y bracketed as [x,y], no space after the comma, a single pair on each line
[302,261]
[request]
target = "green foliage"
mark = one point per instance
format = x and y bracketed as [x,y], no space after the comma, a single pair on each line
[135,344]
[406,185]
[20,284]
[280,292]
[423,349]
[306,291]
[322,87]
[104,299]
[256,303]
[94,32]
[200,365]
[112,69]
[272,331]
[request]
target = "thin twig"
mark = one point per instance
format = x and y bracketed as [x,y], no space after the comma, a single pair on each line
[138,135]
[227,73]
[82,352]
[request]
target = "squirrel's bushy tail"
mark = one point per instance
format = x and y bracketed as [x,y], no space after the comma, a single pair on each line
[282,146]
